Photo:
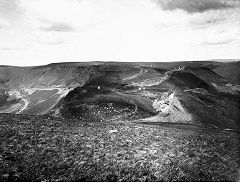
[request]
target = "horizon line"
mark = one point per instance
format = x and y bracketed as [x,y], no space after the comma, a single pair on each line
[126,62]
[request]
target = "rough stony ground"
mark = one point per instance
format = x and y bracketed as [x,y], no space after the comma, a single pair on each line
[43,148]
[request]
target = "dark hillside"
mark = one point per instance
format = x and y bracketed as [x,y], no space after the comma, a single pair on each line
[230,71]
[186,80]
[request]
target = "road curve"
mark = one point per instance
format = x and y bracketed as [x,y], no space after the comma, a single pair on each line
[24,106]
[142,71]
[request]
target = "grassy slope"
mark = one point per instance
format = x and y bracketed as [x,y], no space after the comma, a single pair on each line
[231,71]
[41,148]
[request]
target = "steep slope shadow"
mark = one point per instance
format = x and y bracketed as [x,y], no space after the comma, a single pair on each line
[188,80]
[214,111]
[230,71]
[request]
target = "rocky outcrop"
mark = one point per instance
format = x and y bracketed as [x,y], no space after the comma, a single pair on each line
[170,110]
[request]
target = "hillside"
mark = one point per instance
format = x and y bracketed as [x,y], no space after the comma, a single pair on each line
[108,91]
[185,95]
[120,121]
[38,148]
[35,90]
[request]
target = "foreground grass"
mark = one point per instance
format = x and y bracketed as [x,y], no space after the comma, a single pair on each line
[41,148]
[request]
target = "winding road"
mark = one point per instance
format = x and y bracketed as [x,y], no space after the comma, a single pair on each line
[24,106]
[142,71]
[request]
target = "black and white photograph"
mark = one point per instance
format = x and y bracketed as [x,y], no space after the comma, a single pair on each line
[119,90]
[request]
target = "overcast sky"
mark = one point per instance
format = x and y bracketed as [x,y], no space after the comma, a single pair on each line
[37,32]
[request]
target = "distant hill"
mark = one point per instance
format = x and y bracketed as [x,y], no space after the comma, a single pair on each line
[204,93]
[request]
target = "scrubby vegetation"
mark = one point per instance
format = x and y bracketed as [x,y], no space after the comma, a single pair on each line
[44,148]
